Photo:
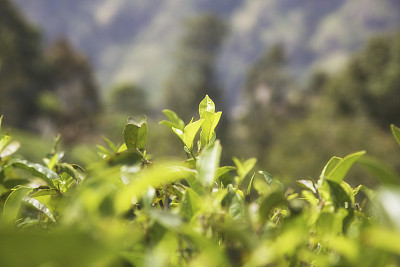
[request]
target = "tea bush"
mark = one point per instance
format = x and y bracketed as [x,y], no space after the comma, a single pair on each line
[125,210]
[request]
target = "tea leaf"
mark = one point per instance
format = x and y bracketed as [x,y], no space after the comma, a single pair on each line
[338,172]
[210,122]
[208,163]
[206,105]
[13,204]
[190,132]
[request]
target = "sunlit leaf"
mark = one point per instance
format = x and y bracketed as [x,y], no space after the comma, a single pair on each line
[175,121]
[244,167]
[307,184]
[208,163]
[210,122]
[4,140]
[190,132]
[10,149]
[206,105]
[329,166]
[338,173]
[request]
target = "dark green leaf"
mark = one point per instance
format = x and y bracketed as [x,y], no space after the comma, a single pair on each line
[250,184]
[131,132]
[36,169]
[338,195]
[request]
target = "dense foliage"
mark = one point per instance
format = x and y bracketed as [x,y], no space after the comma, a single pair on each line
[126,210]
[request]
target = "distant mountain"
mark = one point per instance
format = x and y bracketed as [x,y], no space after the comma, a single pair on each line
[136,40]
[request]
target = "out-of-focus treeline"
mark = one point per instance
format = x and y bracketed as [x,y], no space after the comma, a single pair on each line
[292,128]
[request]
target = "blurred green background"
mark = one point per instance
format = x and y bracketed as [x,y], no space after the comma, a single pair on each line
[297,81]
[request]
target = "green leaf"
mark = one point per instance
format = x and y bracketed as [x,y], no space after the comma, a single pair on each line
[190,132]
[338,173]
[210,122]
[223,170]
[131,135]
[250,184]
[179,133]
[206,105]
[208,163]
[142,136]
[40,207]
[174,122]
[110,144]
[13,204]
[329,167]
[37,192]
[36,169]
[191,204]
[338,195]
[135,135]
[237,206]
[307,184]
[69,169]
[243,168]
[4,140]
[396,132]
[10,149]
[1,120]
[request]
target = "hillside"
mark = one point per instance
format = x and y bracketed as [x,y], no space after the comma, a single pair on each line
[136,40]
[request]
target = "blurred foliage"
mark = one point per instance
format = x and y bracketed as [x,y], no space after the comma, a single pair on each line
[370,83]
[46,90]
[73,92]
[338,113]
[128,210]
[127,99]
[22,70]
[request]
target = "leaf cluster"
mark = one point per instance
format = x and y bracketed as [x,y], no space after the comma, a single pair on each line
[126,210]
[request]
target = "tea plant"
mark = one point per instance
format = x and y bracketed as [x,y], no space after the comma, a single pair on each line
[126,210]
